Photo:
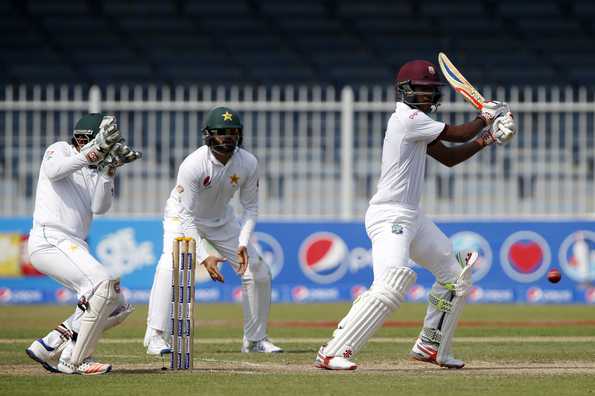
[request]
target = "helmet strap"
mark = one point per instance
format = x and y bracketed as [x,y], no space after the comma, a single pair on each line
[409,96]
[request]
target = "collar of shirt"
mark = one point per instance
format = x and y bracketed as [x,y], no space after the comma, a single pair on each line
[215,161]
[403,104]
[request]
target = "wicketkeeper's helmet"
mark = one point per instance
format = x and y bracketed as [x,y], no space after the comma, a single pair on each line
[416,73]
[86,128]
[225,124]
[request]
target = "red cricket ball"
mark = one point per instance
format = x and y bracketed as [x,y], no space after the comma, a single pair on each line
[554,275]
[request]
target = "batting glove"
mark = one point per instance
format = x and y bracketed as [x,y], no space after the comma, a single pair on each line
[504,128]
[492,110]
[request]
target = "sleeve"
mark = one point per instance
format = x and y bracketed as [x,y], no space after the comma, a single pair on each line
[104,193]
[57,164]
[187,190]
[423,128]
[249,201]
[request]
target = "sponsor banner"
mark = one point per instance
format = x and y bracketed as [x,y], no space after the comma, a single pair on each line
[330,261]
[540,295]
[489,295]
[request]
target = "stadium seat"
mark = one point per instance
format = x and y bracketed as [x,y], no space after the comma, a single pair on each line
[168,41]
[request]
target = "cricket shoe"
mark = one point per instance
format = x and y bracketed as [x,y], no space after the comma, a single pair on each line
[262,346]
[88,367]
[155,343]
[333,362]
[427,352]
[45,355]
[158,346]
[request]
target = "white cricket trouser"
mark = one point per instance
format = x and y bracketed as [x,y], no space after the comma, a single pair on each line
[67,260]
[399,233]
[256,281]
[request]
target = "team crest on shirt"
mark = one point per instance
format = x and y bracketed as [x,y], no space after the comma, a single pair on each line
[234,179]
[397,229]
[415,113]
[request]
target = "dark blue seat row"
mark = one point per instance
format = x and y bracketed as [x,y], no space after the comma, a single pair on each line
[283,41]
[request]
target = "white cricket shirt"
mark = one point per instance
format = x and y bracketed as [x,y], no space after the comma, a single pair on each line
[69,192]
[408,133]
[205,186]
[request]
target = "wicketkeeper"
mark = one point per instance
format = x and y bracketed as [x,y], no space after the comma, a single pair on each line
[76,181]
[198,207]
[399,230]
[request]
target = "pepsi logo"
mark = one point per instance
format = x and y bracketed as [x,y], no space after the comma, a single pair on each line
[471,241]
[590,295]
[558,296]
[300,293]
[270,250]
[534,294]
[525,256]
[475,294]
[324,257]
[577,256]
[237,294]
[64,296]
[357,290]
[5,294]
[417,293]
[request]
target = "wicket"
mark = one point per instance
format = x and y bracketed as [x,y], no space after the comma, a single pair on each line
[182,303]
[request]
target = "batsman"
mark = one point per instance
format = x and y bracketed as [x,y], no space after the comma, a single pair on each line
[198,207]
[76,181]
[399,229]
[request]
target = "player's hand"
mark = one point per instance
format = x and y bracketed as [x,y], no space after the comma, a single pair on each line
[108,135]
[98,148]
[123,154]
[492,110]
[504,128]
[119,155]
[242,260]
[211,264]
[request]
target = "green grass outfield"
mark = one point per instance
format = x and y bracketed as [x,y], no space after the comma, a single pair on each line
[509,350]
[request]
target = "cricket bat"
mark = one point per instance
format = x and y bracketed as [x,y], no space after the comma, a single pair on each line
[459,83]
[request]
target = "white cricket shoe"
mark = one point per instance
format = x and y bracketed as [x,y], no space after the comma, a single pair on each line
[88,367]
[333,362]
[427,352]
[158,346]
[45,355]
[155,343]
[262,346]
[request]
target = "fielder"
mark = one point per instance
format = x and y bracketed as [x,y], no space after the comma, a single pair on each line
[399,230]
[75,182]
[198,207]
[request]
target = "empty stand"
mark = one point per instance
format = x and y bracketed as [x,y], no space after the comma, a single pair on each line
[271,42]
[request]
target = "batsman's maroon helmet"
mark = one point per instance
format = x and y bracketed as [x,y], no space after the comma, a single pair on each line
[419,72]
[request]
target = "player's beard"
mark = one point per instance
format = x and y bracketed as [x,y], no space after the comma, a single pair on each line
[225,146]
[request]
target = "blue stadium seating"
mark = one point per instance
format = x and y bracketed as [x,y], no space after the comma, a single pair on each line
[282,41]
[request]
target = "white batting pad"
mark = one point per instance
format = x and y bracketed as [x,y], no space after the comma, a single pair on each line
[369,312]
[451,319]
[101,304]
